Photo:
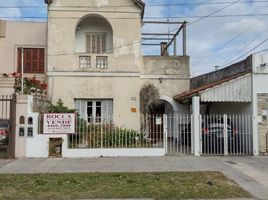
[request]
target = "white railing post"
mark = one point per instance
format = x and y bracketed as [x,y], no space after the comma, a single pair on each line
[192,134]
[200,135]
[225,135]
[165,127]
[196,125]
[255,136]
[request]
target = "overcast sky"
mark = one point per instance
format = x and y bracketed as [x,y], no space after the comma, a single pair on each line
[212,41]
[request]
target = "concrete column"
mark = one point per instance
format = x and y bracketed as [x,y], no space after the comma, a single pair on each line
[21,111]
[196,125]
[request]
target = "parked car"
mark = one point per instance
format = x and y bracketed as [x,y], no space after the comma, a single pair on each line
[4,130]
[213,136]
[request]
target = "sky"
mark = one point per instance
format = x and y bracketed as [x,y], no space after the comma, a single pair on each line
[217,40]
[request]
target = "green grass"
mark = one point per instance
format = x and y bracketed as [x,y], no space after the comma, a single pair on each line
[169,185]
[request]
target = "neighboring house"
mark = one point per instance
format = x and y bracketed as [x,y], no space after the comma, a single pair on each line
[95,62]
[238,89]
[31,36]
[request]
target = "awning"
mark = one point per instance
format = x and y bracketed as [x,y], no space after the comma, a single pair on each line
[237,88]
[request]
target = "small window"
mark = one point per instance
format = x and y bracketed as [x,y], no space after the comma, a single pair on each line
[33,60]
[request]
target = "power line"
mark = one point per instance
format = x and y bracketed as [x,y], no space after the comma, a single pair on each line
[264,41]
[127,18]
[230,41]
[138,42]
[243,48]
[147,5]
[219,10]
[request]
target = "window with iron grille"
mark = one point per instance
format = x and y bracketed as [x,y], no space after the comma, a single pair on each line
[96,43]
[84,61]
[33,60]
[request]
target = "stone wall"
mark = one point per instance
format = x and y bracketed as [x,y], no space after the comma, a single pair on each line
[263,123]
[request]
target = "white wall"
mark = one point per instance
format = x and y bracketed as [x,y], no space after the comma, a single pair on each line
[38,147]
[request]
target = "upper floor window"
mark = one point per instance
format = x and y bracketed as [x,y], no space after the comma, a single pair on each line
[96,43]
[94,35]
[33,60]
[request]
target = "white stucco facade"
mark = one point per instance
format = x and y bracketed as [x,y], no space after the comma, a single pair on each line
[127,70]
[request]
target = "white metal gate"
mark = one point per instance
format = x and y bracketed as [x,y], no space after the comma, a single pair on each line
[179,137]
[226,135]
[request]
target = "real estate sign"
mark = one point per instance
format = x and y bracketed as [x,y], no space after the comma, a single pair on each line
[59,123]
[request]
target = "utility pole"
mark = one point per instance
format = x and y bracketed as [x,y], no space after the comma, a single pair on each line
[22,68]
[184,39]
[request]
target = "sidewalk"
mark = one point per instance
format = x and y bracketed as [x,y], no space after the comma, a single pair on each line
[250,172]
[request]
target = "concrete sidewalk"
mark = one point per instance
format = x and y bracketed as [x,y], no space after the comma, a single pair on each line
[250,172]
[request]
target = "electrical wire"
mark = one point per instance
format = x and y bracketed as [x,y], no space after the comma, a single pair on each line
[260,44]
[147,5]
[140,41]
[154,17]
[230,41]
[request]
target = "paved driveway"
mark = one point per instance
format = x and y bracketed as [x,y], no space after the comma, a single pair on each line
[250,172]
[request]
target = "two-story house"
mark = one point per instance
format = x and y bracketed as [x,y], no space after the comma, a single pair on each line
[95,62]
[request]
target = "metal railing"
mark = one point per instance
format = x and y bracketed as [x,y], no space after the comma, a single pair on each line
[105,133]
[226,135]
[102,62]
[85,62]
[179,134]
[5,106]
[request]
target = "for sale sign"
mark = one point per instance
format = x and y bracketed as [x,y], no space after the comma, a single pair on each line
[59,123]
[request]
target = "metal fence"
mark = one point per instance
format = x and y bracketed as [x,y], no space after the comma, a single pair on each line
[179,134]
[226,135]
[7,125]
[219,134]
[172,132]
[105,132]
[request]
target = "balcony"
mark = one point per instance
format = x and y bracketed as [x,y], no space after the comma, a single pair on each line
[93,61]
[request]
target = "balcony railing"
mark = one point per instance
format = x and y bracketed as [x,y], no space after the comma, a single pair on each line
[102,62]
[87,62]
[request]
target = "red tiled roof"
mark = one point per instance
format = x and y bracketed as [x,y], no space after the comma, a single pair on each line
[183,96]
